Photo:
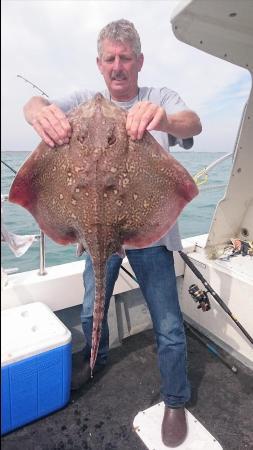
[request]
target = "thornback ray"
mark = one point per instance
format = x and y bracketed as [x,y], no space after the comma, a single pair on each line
[103,191]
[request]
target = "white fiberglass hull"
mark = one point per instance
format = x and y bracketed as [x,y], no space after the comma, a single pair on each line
[62,290]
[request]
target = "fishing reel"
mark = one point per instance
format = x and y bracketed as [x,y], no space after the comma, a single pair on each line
[200,297]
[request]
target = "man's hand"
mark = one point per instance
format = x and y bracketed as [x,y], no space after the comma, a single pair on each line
[48,120]
[145,116]
[52,125]
[148,116]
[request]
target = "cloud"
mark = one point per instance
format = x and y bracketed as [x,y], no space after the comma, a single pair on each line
[53,44]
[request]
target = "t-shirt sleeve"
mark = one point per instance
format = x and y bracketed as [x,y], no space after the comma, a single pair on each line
[171,101]
[73,100]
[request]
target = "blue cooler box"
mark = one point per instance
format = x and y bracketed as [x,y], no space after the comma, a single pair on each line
[35,364]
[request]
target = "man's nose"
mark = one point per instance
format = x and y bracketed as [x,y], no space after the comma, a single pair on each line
[117,63]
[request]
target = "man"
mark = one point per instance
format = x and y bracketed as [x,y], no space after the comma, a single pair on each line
[162,112]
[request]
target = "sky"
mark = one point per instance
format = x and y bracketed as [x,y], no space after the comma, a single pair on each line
[52,43]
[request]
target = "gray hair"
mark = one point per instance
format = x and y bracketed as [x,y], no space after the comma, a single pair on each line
[120,30]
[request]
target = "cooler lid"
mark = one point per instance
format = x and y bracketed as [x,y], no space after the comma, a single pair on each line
[28,330]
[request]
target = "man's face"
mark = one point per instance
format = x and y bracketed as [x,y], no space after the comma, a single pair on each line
[119,66]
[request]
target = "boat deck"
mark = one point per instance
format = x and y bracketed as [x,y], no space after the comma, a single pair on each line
[101,415]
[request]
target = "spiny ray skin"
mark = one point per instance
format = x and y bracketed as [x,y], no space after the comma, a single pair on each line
[103,190]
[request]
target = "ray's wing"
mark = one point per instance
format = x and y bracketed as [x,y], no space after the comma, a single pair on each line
[159,187]
[40,187]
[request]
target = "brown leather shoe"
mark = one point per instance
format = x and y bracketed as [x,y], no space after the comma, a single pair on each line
[174,427]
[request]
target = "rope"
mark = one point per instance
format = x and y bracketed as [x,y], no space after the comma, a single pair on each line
[201,177]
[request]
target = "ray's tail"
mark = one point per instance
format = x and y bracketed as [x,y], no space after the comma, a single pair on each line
[96,334]
[98,311]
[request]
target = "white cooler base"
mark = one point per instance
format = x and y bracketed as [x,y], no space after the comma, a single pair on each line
[147,425]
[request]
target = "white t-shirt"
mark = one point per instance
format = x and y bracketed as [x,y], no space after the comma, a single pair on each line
[164,97]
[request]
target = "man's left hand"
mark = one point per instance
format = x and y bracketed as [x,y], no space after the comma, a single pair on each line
[145,116]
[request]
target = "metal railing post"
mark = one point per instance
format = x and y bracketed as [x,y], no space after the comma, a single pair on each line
[42,270]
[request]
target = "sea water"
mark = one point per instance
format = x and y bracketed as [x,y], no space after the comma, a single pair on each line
[194,220]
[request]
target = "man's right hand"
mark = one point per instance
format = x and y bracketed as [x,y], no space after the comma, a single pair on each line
[52,125]
[48,120]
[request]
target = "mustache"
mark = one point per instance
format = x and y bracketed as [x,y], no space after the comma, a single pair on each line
[118,75]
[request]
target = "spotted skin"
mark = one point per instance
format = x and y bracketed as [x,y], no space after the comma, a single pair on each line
[102,190]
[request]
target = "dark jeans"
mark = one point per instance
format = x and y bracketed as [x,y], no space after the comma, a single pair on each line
[154,270]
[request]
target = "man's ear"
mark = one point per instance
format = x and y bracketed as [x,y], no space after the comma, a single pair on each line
[140,61]
[99,64]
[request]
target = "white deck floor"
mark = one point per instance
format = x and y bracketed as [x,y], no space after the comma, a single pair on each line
[147,425]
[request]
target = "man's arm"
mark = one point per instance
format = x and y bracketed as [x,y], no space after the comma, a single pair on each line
[183,124]
[149,116]
[48,121]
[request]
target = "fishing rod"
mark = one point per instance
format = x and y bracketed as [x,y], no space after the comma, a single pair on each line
[43,93]
[33,85]
[129,274]
[9,167]
[214,294]
[210,347]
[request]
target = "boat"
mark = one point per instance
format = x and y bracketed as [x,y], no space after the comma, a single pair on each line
[221,369]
